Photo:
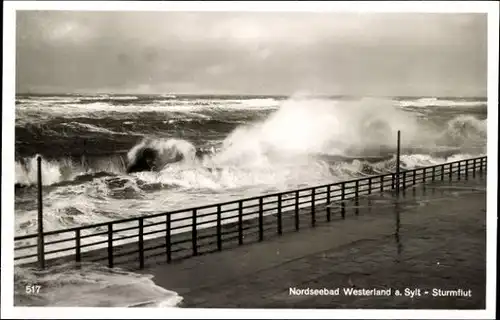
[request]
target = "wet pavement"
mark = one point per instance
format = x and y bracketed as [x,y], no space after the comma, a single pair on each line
[430,238]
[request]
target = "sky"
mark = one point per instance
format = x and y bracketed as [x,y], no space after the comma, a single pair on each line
[377,54]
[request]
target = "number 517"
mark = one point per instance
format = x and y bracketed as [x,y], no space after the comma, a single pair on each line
[33,289]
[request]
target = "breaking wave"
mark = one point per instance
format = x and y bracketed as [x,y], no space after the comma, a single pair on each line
[465,129]
[89,127]
[58,170]
[96,285]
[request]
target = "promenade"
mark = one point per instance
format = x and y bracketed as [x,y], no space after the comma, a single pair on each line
[430,237]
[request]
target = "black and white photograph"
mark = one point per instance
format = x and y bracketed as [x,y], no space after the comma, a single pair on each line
[170,157]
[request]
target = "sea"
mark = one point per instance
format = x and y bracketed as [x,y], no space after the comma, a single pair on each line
[211,148]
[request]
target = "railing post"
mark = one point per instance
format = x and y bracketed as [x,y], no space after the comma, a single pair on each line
[450,173]
[474,168]
[356,195]
[84,157]
[261,219]
[342,210]
[328,202]
[481,167]
[459,171]
[393,176]
[414,176]
[442,172]
[78,257]
[41,240]
[404,180]
[398,182]
[194,233]
[219,227]
[398,161]
[313,209]
[382,183]
[141,243]
[110,245]
[370,185]
[425,176]
[280,231]
[240,222]
[467,169]
[297,220]
[433,174]
[168,241]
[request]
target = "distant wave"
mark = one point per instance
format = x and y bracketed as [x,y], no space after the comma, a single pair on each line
[74,129]
[46,101]
[202,121]
[253,103]
[89,127]
[133,127]
[97,107]
[436,102]
[109,99]
[168,96]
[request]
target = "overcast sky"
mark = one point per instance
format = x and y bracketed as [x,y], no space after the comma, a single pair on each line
[252,53]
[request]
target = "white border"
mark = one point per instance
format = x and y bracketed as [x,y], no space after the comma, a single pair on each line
[350,6]
[492,152]
[10,7]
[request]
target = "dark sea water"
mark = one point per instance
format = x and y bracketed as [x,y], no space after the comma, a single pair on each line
[231,147]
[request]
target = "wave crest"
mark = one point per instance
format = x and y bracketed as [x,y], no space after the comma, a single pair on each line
[165,151]
[436,102]
[466,128]
[55,171]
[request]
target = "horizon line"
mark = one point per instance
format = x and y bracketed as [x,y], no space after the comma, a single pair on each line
[250,95]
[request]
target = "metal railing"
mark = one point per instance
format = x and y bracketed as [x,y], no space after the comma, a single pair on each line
[186,232]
